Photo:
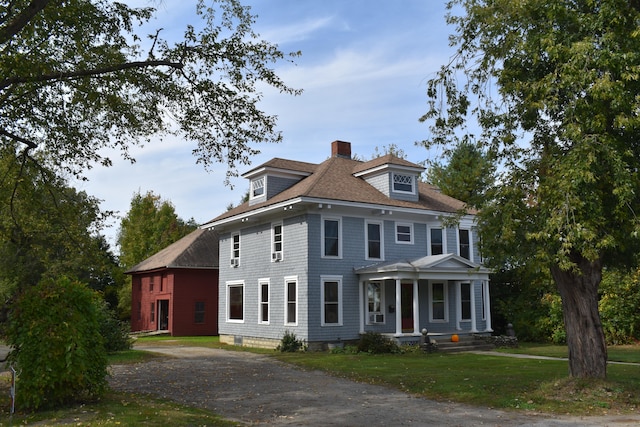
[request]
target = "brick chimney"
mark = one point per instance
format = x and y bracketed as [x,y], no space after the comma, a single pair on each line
[341,149]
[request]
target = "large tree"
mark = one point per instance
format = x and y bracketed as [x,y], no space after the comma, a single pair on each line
[554,88]
[150,225]
[79,76]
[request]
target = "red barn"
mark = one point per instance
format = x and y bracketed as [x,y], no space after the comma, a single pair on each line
[176,290]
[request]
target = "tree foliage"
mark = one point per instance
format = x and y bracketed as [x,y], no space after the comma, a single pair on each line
[58,349]
[79,76]
[47,229]
[466,176]
[151,224]
[553,87]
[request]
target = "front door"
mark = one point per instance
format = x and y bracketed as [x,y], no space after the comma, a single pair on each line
[406,301]
[163,314]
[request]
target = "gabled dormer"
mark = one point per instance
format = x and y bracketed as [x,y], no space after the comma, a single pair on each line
[394,177]
[275,176]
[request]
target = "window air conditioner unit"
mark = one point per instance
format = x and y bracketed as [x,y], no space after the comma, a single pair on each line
[276,256]
[376,318]
[235,262]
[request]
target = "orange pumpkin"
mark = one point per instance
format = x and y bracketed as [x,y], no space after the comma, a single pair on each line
[455,338]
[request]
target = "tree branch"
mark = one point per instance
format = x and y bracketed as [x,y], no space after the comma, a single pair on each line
[87,73]
[23,18]
[30,144]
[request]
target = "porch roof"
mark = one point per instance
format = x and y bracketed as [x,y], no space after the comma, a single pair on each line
[439,267]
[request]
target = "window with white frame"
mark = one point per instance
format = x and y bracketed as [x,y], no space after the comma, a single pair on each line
[465,301]
[263,287]
[485,289]
[438,297]
[291,300]
[257,187]
[436,241]
[464,241]
[404,233]
[375,303]
[403,183]
[331,243]
[235,302]
[374,243]
[235,249]
[331,300]
[276,242]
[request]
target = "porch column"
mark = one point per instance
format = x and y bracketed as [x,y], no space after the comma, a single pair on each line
[472,290]
[361,303]
[487,305]
[416,308]
[398,308]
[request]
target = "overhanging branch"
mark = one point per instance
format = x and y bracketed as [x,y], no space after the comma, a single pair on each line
[22,19]
[88,73]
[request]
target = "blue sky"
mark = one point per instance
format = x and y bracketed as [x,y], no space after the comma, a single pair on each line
[363,69]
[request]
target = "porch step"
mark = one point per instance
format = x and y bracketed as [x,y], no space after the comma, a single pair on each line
[465,343]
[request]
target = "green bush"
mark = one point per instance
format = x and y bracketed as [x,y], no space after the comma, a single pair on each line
[375,343]
[58,349]
[619,302]
[290,343]
[114,331]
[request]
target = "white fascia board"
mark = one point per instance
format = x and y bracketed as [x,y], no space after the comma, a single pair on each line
[389,166]
[247,215]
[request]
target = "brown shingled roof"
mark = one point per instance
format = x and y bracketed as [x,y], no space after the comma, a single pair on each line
[334,179]
[198,249]
[291,165]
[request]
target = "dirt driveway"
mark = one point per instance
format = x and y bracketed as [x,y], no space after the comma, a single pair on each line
[258,390]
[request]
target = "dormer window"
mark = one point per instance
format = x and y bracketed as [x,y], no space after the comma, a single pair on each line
[257,187]
[403,183]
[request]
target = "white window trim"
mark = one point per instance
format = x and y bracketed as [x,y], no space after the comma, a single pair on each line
[382,303]
[288,279]
[229,285]
[262,282]
[445,292]
[413,183]
[322,237]
[459,297]
[444,238]
[470,242]
[273,243]
[366,239]
[324,279]
[262,179]
[406,224]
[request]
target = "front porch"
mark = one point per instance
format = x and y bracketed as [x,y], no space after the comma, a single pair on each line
[444,294]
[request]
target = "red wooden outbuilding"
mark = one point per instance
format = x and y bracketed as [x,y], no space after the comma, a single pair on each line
[176,290]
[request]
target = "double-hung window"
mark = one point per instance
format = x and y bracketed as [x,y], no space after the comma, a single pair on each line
[291,300]
[331,300]
[374,242]
[263,315]
[404,233]
[257,187]
[235,302]
[465,301]
[375,303]
[235,249]
[331,243]
[436,241]
[403,183]
[464,240]
[438,296]
[276,242]
[199,312]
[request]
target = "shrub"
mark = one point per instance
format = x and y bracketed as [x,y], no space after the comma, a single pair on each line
[114,331]
[290,343]
[375,343]
[54,329]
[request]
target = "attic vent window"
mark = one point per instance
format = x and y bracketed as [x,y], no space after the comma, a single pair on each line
[257,187]
[403,183]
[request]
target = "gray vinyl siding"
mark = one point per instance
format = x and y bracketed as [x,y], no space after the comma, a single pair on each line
[381,183]
[255,264]
[277,184]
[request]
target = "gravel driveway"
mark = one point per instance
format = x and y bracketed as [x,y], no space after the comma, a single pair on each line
[258,390]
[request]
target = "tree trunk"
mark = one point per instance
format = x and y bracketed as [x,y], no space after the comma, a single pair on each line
[585,337]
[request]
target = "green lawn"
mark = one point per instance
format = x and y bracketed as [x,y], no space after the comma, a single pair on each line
[619,353]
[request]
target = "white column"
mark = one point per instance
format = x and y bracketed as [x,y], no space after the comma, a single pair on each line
[472,290]
[416,308]
[361,303]
[487,305]
[398,308]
